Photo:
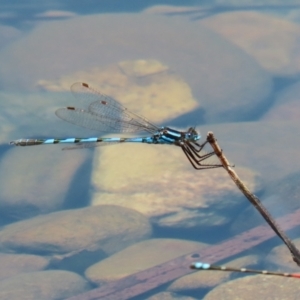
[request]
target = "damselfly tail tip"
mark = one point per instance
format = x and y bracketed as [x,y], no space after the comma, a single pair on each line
[13,143]
[200,266]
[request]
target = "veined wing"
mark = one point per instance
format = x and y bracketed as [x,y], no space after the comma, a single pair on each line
[102,113]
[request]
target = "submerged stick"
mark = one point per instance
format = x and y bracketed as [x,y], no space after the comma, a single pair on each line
[253,199]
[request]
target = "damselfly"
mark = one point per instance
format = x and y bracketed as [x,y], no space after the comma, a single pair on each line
[206,266]
[103,113]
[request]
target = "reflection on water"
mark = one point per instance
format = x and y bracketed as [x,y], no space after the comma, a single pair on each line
[75,220]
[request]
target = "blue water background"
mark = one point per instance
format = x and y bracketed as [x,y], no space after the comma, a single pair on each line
[253,137]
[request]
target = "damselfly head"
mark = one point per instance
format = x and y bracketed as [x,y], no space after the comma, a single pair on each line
[192,134]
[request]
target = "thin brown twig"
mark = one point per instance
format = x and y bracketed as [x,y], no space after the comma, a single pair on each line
[253,199]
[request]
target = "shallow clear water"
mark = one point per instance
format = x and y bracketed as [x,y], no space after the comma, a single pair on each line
[230,70]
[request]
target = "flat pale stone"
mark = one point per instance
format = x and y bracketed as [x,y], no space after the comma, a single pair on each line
[158,181]
[42,179]
[44,174]
[169,9]
[44,285]
[142,67]
[268,148]
[105,228]
[217,77]
[204,279]
[280,197]
[286,106]
[139,257]
[8,34]
[169,296]
[13,264]
[282,257]
[257,287]
[272,41]
[146,87]
[29,114]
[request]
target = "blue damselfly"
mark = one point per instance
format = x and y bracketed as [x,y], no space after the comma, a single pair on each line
[105,114]
[206,266]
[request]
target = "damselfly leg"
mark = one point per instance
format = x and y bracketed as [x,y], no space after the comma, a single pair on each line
[192,150]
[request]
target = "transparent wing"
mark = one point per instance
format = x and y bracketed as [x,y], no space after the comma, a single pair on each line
[102,113]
